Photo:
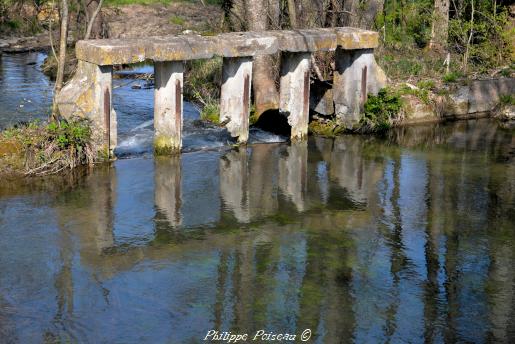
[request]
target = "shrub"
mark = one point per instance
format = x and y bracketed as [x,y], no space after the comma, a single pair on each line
[380,111]
[37,148]
[507,99]
[451,77]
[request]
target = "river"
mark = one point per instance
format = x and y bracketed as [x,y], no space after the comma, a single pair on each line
[408,237]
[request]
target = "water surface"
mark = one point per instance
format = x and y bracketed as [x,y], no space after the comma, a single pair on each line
[404,239]
[408,238]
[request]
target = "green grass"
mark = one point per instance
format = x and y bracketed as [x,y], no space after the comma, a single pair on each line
[39,148]
[451,77]
[507,99]
[211,113]
[177,20]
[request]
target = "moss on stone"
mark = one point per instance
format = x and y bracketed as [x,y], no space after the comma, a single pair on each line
[330,128]
[163,145]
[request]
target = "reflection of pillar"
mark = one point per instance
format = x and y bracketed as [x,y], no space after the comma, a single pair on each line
[247,182]
[262,176]
[235,96]
[168,106]
[101,217]
[234,183]
[293,169]
[168,188]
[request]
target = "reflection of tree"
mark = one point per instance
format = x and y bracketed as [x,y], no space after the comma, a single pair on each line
[398,258]
[500,291]
[433,229]
[326,293]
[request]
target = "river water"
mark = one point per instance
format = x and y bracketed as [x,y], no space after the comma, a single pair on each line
[404,238]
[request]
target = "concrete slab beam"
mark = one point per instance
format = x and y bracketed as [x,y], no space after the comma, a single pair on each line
[235,96]
[295,92]
[309,40]
[168,105]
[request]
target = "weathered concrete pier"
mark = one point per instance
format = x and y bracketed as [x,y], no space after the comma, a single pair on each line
[89,93]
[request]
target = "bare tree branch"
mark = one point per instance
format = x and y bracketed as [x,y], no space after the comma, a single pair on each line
[92,20]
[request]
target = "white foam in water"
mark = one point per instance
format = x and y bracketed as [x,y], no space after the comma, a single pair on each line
[260,136]
[136,144]
[143,125]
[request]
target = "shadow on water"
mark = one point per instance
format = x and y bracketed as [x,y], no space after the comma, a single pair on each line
[407,238]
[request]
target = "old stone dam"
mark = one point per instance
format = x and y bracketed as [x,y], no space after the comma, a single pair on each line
[403,238]
[357,74]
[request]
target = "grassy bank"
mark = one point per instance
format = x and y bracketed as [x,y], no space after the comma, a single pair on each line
[40,148]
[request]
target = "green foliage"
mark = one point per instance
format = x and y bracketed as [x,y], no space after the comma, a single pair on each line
[452,77]
[211,112]
[380,111]
[406,24]
[490,40]
[66,134]
[36,148]
[204,80]
[508,99]
[177,20]
[330,128]
[420,93]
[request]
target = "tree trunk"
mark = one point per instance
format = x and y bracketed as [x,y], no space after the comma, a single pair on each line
[95,19]
[440,29]
[362,15]
[266,96]
[62,56]
[292,13]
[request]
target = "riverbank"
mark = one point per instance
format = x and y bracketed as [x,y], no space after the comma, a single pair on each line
[429,101]
[41,148]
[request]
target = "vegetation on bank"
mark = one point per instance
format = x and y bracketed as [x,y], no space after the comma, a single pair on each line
[40,148]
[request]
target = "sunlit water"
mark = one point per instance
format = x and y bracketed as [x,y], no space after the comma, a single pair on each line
[26,94]
[407,238]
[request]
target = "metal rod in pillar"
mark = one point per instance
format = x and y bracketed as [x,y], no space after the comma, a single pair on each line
[356,75]
[235,96]
[168,105]
[295,86]
[107,116]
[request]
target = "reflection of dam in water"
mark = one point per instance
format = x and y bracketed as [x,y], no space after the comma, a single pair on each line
[358,238]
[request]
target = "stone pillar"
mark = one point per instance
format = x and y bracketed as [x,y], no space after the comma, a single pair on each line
[168,107]
[295,85]
[89,95]
[235,96]
[356,75]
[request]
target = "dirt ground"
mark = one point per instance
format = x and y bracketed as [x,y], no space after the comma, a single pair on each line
[136,21]
[158,19]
